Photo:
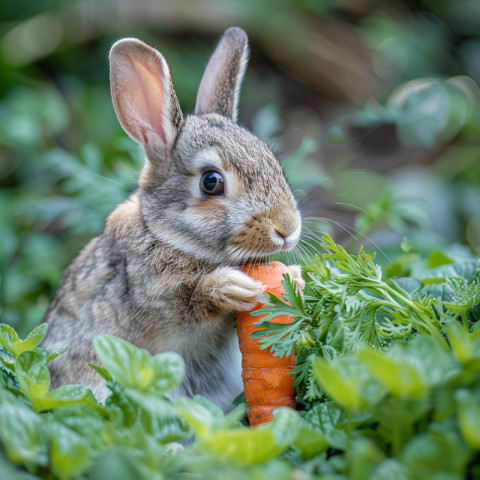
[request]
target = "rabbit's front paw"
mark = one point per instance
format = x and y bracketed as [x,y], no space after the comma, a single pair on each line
[231,290]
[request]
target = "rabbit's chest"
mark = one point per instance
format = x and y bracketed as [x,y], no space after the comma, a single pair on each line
[211,355]
[212,364]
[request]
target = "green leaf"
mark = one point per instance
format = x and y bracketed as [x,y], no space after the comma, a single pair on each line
[134,367]
[428,111]
[438,258]
[224,435]
[391,469]
[7,359]
[103,372]
[199,418]
[115,463]
[53,353]
[69,452]
[310,441]
[277,308]
[400,267]
[292,294]
[34,338]
[395,370]
[251,446]
[465,270]
[85,421]
[130,366]
[439,450]
[169,371]
[465,345]
[469,416]
[276,337]
[214,415]
[285,426]
[23,435]
[328,419]
[214,409]
[9,388]
[152,403]
[363,458]
[166,427]
[290,304]
[348,382]
[204,417]
[465,295]
[68,395]
[34,380]
[435,364]
[11,473]
[396,419]
[9,339]
[33,375]
[280,338]
[245,446]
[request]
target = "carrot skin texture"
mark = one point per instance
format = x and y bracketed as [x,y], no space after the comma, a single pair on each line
[267,380]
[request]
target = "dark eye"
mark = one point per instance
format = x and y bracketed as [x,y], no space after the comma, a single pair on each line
[212,183]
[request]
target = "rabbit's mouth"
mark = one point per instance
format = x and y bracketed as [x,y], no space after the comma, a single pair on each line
[261,237]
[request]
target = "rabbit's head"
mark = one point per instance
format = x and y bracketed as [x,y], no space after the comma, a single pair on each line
[209,187]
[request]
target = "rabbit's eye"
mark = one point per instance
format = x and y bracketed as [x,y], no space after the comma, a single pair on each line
[212,183]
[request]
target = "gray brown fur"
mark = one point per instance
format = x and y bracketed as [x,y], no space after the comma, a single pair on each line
[164,274]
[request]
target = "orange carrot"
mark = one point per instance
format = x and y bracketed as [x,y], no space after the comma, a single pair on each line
[267,380]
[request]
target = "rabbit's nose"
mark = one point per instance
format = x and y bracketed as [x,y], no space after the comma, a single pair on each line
[289,238]
[281,231]
[286,222]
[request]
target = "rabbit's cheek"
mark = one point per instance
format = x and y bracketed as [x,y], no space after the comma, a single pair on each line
[269,233]
[255,237]
[203,218]
[213,209]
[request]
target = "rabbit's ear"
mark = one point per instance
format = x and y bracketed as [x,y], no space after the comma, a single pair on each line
[220,85]
[143,94]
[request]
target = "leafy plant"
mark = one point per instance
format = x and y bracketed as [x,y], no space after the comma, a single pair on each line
[387,377]
[68,433]
[347,303]
[397,370]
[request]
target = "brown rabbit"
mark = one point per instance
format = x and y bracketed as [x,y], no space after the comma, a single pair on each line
[164,274]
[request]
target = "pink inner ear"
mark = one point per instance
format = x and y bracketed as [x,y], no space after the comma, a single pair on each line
[147,95]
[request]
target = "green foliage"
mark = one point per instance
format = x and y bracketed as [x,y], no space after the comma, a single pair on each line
[10,341]
[240,445]
[388,211]
[67,433]
[135,368]
[398,370]
[347,303]
[387,380]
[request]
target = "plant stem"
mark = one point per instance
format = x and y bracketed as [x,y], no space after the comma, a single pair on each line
[424,318]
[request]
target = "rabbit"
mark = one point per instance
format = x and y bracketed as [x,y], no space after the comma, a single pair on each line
[165,272]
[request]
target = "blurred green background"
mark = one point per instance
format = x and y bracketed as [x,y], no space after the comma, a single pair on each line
[372,106]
